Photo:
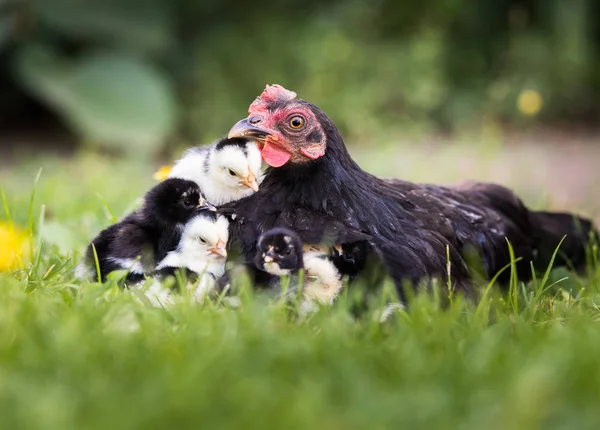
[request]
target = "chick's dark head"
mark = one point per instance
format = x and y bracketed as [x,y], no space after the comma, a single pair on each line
[287,129]
[350,258]
[279,251]
[176,200]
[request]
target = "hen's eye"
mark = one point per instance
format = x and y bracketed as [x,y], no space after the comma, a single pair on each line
[296,122]
[232,173]
[202,240]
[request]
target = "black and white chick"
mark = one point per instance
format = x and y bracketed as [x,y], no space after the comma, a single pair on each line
[227,170]
[280,253]
[201,253]
[144,237]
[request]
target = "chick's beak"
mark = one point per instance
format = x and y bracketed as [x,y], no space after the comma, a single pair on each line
[244,129]
[250,182]
[218,249]
[203,205]
[269,256]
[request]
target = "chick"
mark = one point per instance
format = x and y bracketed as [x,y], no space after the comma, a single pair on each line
[350,258]
[322,282]
[144,237]
[201,252]
[279,252]
[226,171]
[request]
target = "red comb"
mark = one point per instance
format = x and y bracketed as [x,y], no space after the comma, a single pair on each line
[277,93]
[274,93]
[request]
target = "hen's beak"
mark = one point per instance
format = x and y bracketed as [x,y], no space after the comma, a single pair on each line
[244,129]
[250,182]
[203,205]
[268,259]
[218,249]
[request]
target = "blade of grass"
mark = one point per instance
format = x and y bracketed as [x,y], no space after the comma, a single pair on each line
[489,286]
[513,289]
[550,264]
[534,279]
[112,217]
[31,201]
[97,263]
[557,282]
[32,249]
[48,271]
[6,210]
[36,253]
[64,266]
[40,225]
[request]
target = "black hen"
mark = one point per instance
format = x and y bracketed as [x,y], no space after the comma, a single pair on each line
[143,238]
[313,182]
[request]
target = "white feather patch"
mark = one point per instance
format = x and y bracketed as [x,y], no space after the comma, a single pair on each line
[134,266]
[274,269]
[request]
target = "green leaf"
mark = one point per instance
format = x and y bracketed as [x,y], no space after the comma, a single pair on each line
[116,98]
[111,99]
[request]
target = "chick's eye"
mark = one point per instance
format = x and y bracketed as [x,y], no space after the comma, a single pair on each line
[232,173]
[202,240]
[296,122]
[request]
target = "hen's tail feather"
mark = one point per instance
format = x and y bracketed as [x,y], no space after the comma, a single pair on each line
[549,228]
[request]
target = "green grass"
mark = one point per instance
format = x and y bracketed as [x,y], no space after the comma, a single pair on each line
[77,355]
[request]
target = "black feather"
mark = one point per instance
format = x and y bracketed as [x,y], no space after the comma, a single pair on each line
[236,142]
[149,233]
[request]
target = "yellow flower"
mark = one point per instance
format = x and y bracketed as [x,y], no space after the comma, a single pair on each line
[162,173]
[14,247]
[529,102]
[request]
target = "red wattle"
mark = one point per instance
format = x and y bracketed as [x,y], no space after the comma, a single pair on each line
[275,156]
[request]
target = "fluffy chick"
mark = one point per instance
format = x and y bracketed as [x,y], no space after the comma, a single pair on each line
[280,253]
[144,237]
[201,252]
[226,171]
[323,282]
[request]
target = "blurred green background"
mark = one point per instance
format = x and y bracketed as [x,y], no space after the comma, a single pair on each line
[156,74]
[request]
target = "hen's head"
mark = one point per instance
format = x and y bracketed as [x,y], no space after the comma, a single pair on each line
[286,129]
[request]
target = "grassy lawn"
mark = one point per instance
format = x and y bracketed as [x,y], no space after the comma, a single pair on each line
[83,356]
